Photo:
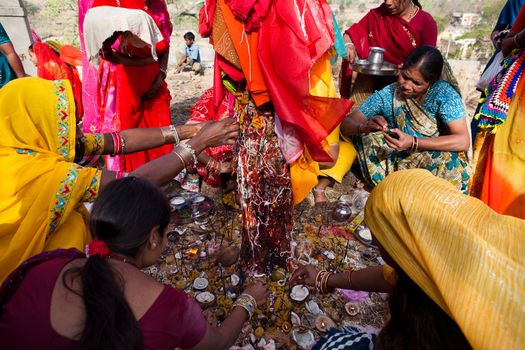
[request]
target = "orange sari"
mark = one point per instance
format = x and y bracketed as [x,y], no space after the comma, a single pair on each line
[499,155]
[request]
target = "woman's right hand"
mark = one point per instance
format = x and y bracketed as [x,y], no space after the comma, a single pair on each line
[259,291]
[305,274]
[376,123]
[219,133]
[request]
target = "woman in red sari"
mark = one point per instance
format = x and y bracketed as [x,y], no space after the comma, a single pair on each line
[131,86]
[398,26]
[51,66]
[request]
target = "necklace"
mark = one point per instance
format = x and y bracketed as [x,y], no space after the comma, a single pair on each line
[413,11]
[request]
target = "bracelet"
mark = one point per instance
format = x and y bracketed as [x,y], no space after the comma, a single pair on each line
[412,146]
[122,143]
[188,149]
[417,143]
[117,143]
[321,282]
[180,157]
[247,302]
[175,134]
[350,283]
[349,44]
[170,134]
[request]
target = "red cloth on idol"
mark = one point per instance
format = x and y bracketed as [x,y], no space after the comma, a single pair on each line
[204,110]
[173,320]
[52,67]
[132,82]
[288,47]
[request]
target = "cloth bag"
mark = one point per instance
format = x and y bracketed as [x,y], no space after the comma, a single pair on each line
[490,72]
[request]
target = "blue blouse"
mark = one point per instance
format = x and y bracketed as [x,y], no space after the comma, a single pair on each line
[442,101]
[6,73]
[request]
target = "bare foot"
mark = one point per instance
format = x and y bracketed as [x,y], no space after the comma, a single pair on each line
[320,195]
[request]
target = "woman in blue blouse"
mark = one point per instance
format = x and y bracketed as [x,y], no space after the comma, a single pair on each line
[10,64]
[418,122]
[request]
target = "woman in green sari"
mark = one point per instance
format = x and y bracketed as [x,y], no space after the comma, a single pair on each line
[418,122]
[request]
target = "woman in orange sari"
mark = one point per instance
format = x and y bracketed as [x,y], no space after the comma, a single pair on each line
[499,151]
[131,83]
[51,66]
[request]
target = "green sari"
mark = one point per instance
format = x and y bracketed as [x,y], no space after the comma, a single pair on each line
[377,159]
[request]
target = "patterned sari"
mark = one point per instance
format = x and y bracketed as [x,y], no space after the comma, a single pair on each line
[377,159]
[42,190]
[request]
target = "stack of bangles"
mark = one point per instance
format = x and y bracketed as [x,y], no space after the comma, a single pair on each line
[119,143]
[321,282]
[185,151]
[415,144]
[170,134]
[247,302]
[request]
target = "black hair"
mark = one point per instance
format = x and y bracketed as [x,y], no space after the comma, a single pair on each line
[416,322]
[428,60]
[189,36]
[31,47]
[123,216]
[416,2]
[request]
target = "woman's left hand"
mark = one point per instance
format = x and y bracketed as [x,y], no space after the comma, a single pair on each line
[401,143]
[152,92]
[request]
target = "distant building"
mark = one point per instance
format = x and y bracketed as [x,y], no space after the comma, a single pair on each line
[466,19]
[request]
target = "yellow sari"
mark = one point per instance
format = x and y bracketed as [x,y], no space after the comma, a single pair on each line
[304,171]
[469,259]
[41,190]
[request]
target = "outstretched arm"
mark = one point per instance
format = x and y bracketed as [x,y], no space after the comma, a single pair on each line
[162,170]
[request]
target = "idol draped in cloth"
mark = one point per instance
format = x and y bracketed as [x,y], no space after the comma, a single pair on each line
[272,89]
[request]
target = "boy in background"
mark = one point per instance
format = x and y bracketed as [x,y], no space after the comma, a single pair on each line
[190,56]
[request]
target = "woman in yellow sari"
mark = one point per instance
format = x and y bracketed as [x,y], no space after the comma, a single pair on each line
[456,268]
[42,188]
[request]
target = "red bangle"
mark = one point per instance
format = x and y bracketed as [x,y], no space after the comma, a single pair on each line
[117,145]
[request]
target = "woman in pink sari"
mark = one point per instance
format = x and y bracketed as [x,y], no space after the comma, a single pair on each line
[131,89]
[398,26]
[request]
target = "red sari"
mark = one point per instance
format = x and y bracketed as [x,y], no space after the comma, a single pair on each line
[397,36]
[121,88]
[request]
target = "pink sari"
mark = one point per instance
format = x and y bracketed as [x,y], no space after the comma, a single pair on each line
[89,76]
[106,115]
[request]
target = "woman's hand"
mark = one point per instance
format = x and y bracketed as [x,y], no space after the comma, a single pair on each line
[401,143]
[259,291]
[508,44]
[305,274]
[219,133]
[376,123]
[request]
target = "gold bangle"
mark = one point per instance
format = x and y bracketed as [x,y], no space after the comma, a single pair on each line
[181,159]
[167,134]
[351,284]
